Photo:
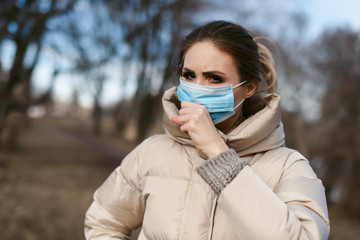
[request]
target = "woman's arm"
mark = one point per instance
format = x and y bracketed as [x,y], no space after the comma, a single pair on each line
[296,209]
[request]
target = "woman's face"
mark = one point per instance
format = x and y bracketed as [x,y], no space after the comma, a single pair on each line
[205,64]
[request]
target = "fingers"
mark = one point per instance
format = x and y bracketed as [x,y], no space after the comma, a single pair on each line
[175,119]
[185,104]
[184,125]
[189,108]
[186,128]
[190,115]
[180,119]
[195,120]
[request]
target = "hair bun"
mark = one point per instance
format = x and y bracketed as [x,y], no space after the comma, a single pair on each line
[268,83]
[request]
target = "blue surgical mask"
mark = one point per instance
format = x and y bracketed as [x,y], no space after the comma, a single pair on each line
[218,100]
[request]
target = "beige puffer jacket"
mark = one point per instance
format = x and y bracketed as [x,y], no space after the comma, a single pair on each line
[277,197]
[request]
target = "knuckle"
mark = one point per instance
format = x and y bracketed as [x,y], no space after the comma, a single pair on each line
[183,128]
[197,116]
[203,110]
[191,125]
[200,111]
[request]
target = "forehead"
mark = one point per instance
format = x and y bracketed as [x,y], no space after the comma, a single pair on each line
[206,56]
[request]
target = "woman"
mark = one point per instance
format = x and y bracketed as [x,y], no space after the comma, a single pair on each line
[221,170]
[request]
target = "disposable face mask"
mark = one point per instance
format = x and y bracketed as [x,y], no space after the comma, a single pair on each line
[219,101]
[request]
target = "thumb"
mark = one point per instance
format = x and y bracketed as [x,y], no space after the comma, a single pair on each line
[175,119]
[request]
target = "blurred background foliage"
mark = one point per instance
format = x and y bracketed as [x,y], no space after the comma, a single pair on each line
[134,43]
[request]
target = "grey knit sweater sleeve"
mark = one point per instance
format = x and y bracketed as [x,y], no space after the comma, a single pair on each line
[220,170]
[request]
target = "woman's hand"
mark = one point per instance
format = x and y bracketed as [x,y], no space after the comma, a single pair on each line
[195,120]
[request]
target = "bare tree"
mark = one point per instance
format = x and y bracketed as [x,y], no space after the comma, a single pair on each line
[89,43]
[24,25]
[337,57]
[151,33]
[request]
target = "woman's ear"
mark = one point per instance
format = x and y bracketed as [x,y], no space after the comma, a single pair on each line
[251,88]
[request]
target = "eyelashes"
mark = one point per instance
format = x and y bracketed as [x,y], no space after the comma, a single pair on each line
[212,78]
[188,75]
[216,78]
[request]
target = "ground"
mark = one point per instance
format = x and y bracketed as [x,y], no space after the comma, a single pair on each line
[47,185]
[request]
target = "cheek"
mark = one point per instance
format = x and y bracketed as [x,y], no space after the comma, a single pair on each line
[239,94]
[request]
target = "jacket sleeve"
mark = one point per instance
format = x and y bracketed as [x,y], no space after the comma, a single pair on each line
[118,206]
[296,209]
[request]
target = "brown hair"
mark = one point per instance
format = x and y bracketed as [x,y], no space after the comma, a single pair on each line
[252,58]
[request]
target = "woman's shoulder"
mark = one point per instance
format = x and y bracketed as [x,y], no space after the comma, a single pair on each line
[273,165]
[150,151]
[138,162]
[291,160]
[281,156]
[156,143]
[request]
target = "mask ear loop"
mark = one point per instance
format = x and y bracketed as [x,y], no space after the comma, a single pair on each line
[239,104]
[244,98]
[240,84]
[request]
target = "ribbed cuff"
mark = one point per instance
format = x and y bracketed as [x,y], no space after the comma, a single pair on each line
[220,170]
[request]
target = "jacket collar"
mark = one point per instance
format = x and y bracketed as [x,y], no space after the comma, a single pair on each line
[260,132]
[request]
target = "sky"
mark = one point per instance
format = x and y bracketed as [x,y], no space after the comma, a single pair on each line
[328,13]
[321,14]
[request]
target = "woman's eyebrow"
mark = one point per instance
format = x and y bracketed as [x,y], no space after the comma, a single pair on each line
[213,73]
[205,73]
[188,70]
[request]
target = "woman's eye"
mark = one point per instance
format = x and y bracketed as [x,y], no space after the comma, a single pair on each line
[188,76]
[215,79]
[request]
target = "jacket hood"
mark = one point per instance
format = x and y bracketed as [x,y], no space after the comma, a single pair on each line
[260,132]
